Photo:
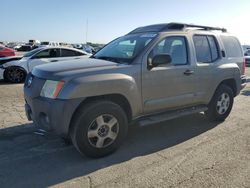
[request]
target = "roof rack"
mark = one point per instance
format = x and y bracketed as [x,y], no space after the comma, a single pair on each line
[184,26]
[173,26]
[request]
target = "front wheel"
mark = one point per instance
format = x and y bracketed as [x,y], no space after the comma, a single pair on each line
[14,75]
[99,128]
[221,104]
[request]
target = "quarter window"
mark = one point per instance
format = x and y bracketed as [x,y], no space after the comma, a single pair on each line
[232,46]
[175,47]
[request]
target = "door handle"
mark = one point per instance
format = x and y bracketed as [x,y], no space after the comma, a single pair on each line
[188,72]
[54,60]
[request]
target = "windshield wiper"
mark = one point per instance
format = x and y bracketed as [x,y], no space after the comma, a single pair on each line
[113,59]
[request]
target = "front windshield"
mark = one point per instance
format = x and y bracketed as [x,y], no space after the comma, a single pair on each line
[125,49]
[32,52]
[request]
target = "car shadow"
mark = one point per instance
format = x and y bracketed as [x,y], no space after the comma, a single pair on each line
[27,159]
[3,82]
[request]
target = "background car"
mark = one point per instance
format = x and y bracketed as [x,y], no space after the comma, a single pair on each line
[25,48]
[16,71]
[247,57]
[5,52]
[48,44]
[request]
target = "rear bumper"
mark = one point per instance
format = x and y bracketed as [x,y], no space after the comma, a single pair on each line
[52,115]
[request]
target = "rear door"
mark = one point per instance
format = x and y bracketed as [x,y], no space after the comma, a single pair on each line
[169,86]
[208,58]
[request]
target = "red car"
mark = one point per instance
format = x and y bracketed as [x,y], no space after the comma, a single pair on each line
[5,52]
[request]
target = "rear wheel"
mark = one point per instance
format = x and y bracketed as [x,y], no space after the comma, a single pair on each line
[14,75]
[99,128]
[221,104]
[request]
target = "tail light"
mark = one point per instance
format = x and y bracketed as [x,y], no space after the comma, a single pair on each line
[244,66]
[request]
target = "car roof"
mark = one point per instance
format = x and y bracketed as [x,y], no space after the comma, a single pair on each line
[61,47]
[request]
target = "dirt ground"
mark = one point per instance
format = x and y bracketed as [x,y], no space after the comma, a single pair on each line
[185,152]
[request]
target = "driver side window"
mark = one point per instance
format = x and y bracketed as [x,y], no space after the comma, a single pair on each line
[49,53]
[173,46]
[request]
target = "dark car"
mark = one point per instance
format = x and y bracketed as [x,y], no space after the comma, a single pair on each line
[25,48]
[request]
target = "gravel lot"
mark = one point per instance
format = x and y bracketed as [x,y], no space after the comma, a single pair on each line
[186,152]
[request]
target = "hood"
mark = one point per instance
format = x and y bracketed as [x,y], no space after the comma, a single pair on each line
[67,69]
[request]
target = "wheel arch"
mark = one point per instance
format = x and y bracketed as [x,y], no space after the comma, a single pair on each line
[119,99]
[231,82]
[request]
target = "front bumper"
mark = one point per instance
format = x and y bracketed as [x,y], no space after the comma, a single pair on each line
[49,114]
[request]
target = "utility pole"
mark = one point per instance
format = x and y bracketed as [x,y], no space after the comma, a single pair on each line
[86,31]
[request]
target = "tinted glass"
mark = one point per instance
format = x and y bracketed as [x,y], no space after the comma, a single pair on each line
[49,53]
[32,52]
[202,49]
[44,43]
[232,46]
[68,53]
[174,46]
[213,47]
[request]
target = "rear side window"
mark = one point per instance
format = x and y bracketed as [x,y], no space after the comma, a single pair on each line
[69,53]
[213,48]
[206,48]
[232,46]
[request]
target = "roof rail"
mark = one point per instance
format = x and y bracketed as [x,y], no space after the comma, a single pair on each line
[184,26]
[172,26]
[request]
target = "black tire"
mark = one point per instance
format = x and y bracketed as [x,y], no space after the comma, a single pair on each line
[14,75]
[67,141]
[215,112]
[84,120]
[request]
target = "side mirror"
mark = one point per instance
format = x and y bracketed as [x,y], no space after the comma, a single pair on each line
[161,59]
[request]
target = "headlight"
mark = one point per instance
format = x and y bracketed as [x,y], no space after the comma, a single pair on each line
[51,89]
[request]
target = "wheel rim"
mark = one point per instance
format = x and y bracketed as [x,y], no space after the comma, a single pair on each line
[103,131]
[223,103]
[15,75]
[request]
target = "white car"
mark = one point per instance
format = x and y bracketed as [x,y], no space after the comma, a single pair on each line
[16,71]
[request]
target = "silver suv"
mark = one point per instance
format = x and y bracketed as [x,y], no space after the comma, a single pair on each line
[152,74]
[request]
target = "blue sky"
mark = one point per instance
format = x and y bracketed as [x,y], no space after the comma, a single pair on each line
[65,20]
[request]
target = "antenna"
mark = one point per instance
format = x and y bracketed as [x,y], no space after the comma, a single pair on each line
[86,31]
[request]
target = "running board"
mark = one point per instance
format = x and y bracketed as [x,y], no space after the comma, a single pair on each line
[157,118]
